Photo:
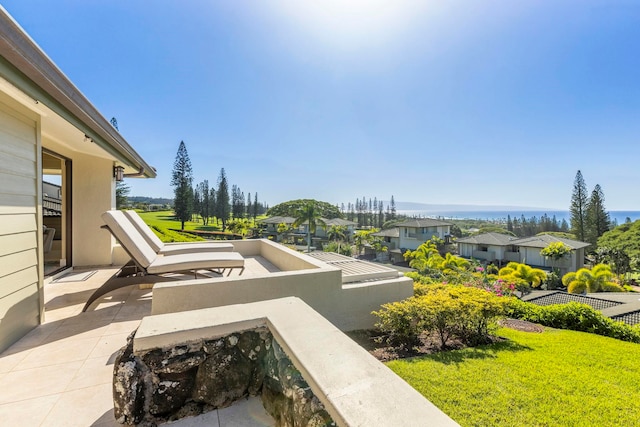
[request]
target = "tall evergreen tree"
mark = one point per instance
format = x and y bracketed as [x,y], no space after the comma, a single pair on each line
[212,201]
[255,206]
[597,218]
[392,207]
[578,209]
[222,199]
[181,180]
[122,191]
[204,207]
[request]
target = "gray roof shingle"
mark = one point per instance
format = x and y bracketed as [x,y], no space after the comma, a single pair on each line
[423,222]
[495,239]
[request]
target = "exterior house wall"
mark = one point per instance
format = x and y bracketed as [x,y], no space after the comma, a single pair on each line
[411,238]
[465,250]
[20,223]
[93,193]
[531,256]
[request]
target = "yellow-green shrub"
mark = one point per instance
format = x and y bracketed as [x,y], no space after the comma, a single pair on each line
[450,311]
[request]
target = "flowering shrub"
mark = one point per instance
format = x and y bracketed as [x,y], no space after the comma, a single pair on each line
[499,287]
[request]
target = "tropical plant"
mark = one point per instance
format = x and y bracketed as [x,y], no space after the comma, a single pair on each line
[337,233]
[238,226]
[292,207]
[523,276]
[556,251]
[598,279]
[419,258]
[625,238]
[310,214]
[449,263]
[339,249]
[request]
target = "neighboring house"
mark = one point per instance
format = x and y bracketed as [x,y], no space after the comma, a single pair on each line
[390,236]
[414,232]
[491,247]
[47,127]
[501,249]
[271,227]
[322,231]
[410,234]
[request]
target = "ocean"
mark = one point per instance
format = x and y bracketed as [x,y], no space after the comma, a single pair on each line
[619,216]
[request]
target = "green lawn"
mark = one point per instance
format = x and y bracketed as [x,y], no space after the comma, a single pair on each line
[557,378]
[165,219]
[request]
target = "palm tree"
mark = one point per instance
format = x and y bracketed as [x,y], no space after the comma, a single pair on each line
[337,233]
[452,263]
[522,275]
[595,280]
[310,214]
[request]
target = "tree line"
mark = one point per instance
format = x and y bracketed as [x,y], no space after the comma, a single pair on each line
[371,213]
[205,201]
[523,227]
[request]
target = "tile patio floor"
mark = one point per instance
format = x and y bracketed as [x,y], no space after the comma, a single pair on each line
[60,373]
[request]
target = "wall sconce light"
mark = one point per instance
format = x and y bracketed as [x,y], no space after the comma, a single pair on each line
[118,173]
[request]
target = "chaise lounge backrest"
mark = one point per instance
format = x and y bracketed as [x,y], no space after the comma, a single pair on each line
[151,238]
[129,237]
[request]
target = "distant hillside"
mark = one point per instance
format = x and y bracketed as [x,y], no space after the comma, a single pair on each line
[150,200]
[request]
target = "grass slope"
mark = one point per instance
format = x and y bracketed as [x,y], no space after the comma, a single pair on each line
[163,222]
[557,378]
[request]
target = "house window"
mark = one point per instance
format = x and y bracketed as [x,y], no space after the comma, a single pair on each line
[483,248]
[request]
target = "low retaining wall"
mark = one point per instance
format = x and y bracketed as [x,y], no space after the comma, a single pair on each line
[187,380]
[347,306]
[307,371]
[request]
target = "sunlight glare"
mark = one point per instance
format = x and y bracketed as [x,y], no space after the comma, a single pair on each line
[352,24]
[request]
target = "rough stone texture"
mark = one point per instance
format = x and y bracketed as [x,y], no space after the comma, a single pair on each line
[191,379]
[286,395]
[171,391]
[223,378]
[128,391]
[177,360]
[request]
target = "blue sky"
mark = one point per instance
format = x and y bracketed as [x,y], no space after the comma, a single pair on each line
[457,102]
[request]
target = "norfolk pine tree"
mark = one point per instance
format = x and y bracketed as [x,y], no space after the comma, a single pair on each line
[182,179]
[597,218]
[578,209]
[222,199]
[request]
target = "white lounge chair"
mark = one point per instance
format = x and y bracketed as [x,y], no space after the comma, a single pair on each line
[162,248]
[147,262]
[151,263]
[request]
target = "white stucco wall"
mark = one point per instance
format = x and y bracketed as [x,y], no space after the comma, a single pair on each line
[93,193]
[347,306]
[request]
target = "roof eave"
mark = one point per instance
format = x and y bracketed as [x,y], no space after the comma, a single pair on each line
[33,72]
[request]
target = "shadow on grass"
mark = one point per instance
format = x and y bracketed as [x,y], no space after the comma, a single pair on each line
[167,217]
[207,228]
[489,351]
